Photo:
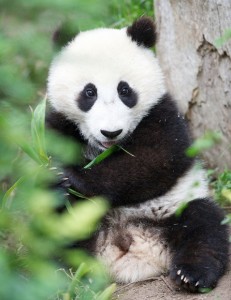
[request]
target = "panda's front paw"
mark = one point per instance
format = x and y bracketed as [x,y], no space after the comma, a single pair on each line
[74,177]
[65,182]
[61,181]
[194,277]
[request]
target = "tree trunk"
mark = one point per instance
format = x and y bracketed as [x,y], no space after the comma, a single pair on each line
[198,74]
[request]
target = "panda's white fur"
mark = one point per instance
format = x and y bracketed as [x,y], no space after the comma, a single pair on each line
[85,60]
[192,185]
[148,254]
[79,64]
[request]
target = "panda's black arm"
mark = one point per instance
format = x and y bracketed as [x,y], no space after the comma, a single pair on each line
[158,145]
[126,180]
[59,123]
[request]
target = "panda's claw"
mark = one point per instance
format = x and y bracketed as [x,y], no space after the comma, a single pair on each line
[192,277]
[65,178]
[185,280]
[53,168]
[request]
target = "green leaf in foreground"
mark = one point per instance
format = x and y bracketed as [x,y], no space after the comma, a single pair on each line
[73,224]
[81,271]
[77,194]
[31,152]
[107,293]
[203,143]
[105,154]
[7,196]
[102,156]
[38,130]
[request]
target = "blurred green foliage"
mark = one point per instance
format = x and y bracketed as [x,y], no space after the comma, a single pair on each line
[205,142]
[222,185]
[32,235]
[223,39]
[222,188]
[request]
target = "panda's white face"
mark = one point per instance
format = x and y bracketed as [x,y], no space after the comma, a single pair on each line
[105,83]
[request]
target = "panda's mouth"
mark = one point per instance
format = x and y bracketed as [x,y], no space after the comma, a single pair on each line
[108,144]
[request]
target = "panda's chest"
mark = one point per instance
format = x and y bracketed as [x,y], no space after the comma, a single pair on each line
[91,152]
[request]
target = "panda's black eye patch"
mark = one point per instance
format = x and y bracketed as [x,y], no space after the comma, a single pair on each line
[87,97]
[127,94]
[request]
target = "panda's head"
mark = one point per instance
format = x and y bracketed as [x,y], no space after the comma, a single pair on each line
[106,80]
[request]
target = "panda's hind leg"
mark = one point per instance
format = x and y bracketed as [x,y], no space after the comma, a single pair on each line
[199,246]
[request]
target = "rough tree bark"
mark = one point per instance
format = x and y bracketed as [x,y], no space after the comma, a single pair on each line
[198,74]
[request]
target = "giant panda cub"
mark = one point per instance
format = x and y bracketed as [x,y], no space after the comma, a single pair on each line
[106,88]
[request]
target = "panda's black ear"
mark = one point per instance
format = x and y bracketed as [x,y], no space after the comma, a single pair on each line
[143,32]
[64,34]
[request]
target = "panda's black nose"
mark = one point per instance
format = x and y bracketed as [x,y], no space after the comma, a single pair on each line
[111,134]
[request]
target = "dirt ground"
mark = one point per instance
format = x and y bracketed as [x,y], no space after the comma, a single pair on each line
[162,288]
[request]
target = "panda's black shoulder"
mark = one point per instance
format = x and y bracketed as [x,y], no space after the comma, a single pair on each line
[166,124]
[61,124]
[166,112]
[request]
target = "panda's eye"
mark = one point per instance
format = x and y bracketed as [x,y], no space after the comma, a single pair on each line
[90,93]
[126,94]
[124,91]
[87,97]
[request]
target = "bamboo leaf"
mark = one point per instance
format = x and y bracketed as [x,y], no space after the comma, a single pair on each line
[77,194]
[102,156]
[66,296]
[7,196]
[105,154]
[38,131]
[126,151]
[107,293]
[75,225]
[30,151]
[81,271]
